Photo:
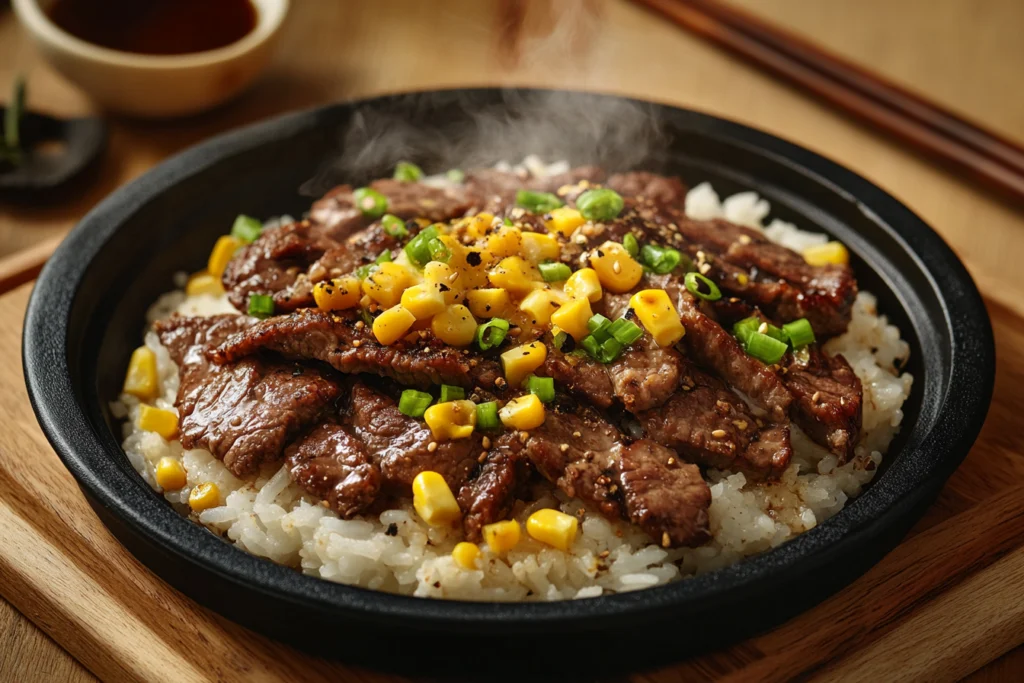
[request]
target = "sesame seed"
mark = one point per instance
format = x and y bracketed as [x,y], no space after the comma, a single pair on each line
[744,239]
[762,328]
[360,324]
[432,446]
[483,456]
[666,540]
[815,396]
[357,343]
[616,267]
[486,442]
[604,553]
[523,436]
[576,435]
[671,461]
[564,447]
[718,433]
[740,424]
[705,268]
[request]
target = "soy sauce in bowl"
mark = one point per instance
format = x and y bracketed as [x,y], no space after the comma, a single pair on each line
[156,27]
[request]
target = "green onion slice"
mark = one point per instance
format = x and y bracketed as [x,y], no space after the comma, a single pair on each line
[261,306]
[625,331]
[554,272]
[456,176]
[394,226]
[766,349]
[591,346]
[414,403]
[542,387]
[694,281]
[610,350]
[407,172]
[799,332]
[418,248]
[508,221]
[537,202]
[631,245]
[600,205]
[598,326]
[744,328]
[451,393]
[558,339]
[372,203]
[12,121]
[246,229]
[363,272]
[384,257]
[487,415]
[439,251]
[491,333]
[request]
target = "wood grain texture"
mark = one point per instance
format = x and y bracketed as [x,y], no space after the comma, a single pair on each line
[967,54]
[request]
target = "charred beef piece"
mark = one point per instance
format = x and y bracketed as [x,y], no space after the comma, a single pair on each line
[337,211]
[828,399]
[587,458]
[583,377]
[346,342]
[649,188]
[244,413]
[709,424]
[488,495]
[496,190]
[333,465]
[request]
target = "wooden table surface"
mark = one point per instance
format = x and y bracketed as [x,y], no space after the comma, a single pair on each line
[967,54]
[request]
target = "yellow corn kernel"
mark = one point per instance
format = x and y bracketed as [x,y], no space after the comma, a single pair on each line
[337,294]
[507,241]
[170,475]
[616,269]
[423,300]
[502,536]
[519,362]
[465,554]
[515,275]
[392,324]
[204,283]
[451,420]
[141,379]
[386,284]
[488,303]
[472,272]
[478,226]
[525,412]
[223,250]
[454,325]
[565,220]
[445,279]
[657,314]
[573,317]
[163,422]
[584,284]
[433,500]
[831,253]
[553,527]
[204,497]
[541,303]
[539,247]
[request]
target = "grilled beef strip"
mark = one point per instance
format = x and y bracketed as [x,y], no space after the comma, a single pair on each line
[346,342]
[489,493]
[646,187]
[828,399]
[244,413]
[333,465]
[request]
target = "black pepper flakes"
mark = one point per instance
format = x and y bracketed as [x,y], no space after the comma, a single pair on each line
[392,529]
[473,258]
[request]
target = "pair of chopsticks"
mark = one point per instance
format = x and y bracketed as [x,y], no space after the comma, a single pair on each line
[960,144]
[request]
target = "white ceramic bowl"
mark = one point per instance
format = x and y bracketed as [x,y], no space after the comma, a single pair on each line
[156,86]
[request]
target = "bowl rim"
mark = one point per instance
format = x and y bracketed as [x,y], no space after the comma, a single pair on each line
[270,16]
[69,430]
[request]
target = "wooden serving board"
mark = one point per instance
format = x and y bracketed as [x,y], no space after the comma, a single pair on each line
[942,604]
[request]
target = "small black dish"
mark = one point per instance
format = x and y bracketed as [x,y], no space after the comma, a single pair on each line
[76,144]
[87,311]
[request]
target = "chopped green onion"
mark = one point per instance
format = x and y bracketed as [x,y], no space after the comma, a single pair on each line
[456,176]
[439,251]
[487,415]
[631,245]
[610,350]
[407,172]
[591,346]
[766,349]
[693,282]
[775,333]
[491,333]
[363,272]
[600,205]
[625,331]
[542,387]
[414,403]
[554,272]
[384,257]
[744,328]
[537,202]
[418,247]
[451,393]
[800,332]
[558,339]
[598,326]
[12,122]
[246,229]
[261,306]
[394,226]
[508,221]
[661,260]
[372,203]
[365,316]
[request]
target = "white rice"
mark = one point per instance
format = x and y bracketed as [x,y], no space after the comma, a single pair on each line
[269,516]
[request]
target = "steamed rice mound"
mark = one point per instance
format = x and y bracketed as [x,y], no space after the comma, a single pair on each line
[269,516]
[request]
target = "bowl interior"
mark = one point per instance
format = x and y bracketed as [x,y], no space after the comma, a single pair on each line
[87,315]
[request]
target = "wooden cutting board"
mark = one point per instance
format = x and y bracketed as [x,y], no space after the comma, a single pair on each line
[942,604]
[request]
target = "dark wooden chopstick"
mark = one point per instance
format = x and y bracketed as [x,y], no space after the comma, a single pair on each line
[984,155]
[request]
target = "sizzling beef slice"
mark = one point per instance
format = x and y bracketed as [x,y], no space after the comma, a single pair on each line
[666,498]
[659,189]
[496,190]
[488,495]
[709,424]
[347,343]
[333,465]
[829,399]
[339,214]
[584,378]
[244,413]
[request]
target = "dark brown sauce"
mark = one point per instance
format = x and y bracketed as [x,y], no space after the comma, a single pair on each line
[156,27]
